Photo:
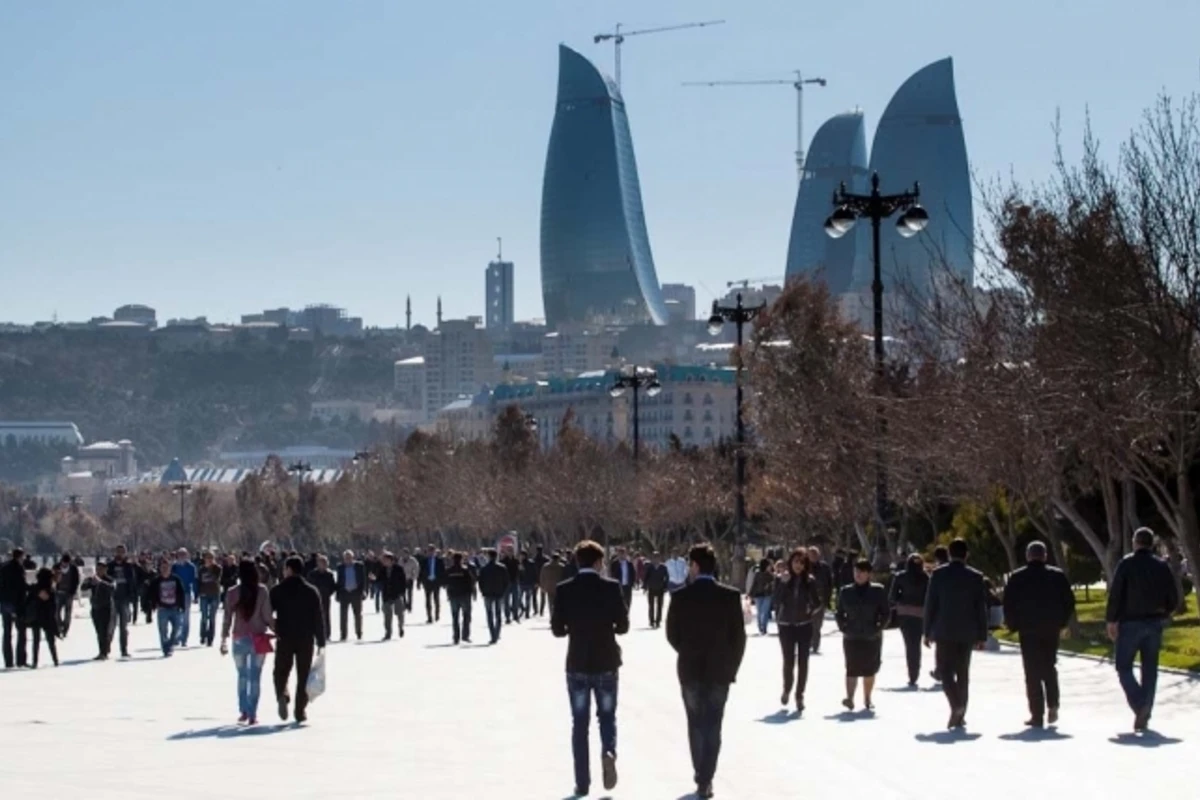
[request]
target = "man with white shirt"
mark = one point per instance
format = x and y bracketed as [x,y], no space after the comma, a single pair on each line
[623,572]
[433,573]
[677,573]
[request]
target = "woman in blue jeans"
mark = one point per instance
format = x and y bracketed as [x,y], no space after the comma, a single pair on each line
[248,613]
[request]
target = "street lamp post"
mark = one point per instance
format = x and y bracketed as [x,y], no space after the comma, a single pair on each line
[636,378]
[739,314]
[849,208]
[182,488]
[20,513]
[299,468]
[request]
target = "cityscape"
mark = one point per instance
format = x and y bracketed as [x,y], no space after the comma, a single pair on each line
[793,369]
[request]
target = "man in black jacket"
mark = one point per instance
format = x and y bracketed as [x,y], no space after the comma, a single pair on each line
[390,580]
[13,591]
[103,609]
[127,585]
[433,573]
[706,628]
[512,600]
[493,585]
[624,573]
[1038,603]
[540,560]
[655,583]
[956,617]
[460,593]
[351,587]
[822,574]
[590,610]
[326,584]
[1141,600]
[298,625]
[65,591]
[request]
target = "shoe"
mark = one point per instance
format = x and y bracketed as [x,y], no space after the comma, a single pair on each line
[100,657]
[242,719]
[868,705]
[912,684]
[283,708]
[466,640]
[580,791]
[301,717]
[609,764]
[1052,715]
[936,676]
[704,790]
[848,704]
[400,633]
[1034,722]
[783,699]
[1142,720]
[387,638]
[252,721]
[799,704]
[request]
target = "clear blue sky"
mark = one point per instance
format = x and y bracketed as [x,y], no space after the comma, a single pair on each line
[221,157]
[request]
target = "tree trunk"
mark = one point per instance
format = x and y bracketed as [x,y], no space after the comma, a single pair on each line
[1089,535]
[1007,538]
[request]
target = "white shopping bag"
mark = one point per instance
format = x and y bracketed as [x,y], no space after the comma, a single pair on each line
[316,678]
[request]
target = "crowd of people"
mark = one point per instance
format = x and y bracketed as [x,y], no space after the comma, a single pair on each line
[282,603]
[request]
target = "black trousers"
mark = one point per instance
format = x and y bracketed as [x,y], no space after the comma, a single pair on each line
[408,593]
[50,634]
[912,629]
[13,620]
[287,653]
[354,601]
[954,665]
[433,601]
[627,594]
[103,624]
[460,616]
[325,603]
[796,642]
[705,706]
[1039,653]
[656,607]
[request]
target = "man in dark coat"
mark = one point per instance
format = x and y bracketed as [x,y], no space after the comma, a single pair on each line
[623,571]
[1141,599]
[326,584]
[299,625]
[956,618]
[391,582]
[706,628]
[104,608]
[1038,604]
[460,593]
[65,590]
[590,610]
[128,584]
[351,588]
[493,585]
[13,591]
[655,581]
[540,560]
[431,576]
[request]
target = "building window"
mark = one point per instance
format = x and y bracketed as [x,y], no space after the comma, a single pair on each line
[687,398]
[687,432]
[687,415]
[708,416]
[708,400]
[708,433]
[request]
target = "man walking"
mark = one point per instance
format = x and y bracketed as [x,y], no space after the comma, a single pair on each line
[64,593]
[1141,600]
[512,601]
[529,583]
[706,629]
[208,594]
[433,573]
[390,580]
[351,586]
[185,570]
[165,595]
[590,611]
[103,609]
[299,623]
[655,582]
[460,593]
[126,593]
[1038,603]
[956,618]
[325,583]
[13,593]
[822,574]
[540,560]
[411,570]
[622,571]
[550,577]
[493,585]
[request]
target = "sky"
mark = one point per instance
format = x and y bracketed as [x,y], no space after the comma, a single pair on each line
[222,157]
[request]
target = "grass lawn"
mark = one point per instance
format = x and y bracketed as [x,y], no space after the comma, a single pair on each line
[1181,641]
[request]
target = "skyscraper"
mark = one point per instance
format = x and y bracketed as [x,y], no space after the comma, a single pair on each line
[838,154]
[920,138]
[499,294]
[595,252]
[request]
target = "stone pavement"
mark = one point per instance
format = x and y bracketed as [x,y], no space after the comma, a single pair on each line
[419,718]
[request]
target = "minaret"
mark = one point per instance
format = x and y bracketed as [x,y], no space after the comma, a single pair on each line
[439,312]
[408,313]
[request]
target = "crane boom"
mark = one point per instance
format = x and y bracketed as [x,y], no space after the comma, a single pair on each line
[798,83]
[617,37]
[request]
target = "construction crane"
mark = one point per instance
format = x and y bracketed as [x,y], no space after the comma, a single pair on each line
[617,37]
[798,83]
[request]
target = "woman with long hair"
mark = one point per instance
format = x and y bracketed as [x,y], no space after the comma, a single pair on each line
[248,612]
[907,596]
[41,611]
[796,599]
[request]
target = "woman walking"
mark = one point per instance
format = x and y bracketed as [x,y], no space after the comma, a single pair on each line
[795,601]
[248,613]
[41,610]
[908,598]
[762,589]
[862,614]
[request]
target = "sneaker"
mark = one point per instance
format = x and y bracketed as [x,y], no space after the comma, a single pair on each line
[1142,721]
[252,721]
[283,708]
[704,790]
[609,764]
[1052,715]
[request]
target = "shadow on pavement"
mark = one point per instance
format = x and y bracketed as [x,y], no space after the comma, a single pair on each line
[231,732]
[1147,739]
[852,716]
[1036,735]
[947,737]
[779,718]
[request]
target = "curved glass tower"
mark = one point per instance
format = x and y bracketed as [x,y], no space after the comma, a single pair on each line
[596,261]
[920,138]
[838,154]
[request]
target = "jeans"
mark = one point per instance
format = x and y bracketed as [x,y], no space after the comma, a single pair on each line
[796,643]
[103,622]
[64,605]
[433,601]
[513,610]
[354,601]
[656,607]
[325,603]
[376,594]
[171,618]
[705,706]
[762,610]
[393,608]
[580,687]
[528,600]
[912,629]
[124,615]
[185,620]
[208,618]
[954,665]
[288,652]
[461,607]
[1142,637]
[12,619]
[249,675]
[494,608]
[1039,651]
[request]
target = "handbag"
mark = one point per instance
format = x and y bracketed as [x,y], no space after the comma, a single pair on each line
[315,686]
[262,644]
